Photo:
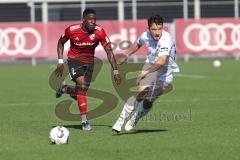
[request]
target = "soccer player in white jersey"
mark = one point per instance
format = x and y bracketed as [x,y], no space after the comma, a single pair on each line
[156,76]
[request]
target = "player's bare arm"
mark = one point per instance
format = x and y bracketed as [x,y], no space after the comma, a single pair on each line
[122,58]
[133,49]
[60,49]
[112,61]
[159,64]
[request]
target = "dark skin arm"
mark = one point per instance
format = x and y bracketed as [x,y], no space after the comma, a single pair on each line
[112,61]
[60,48]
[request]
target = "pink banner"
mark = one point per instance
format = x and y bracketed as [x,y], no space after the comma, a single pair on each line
[206,36]
[19,40]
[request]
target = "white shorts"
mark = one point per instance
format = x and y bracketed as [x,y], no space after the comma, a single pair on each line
[157,82]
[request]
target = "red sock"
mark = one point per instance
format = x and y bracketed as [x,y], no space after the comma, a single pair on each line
[82,103]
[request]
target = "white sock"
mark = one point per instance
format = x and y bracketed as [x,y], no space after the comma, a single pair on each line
[83,117]
[128,108]
[64,89]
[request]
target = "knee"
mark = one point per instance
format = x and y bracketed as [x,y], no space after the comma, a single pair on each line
[73,96]
[82,86]
[80,89]
[139,99]
[141,95]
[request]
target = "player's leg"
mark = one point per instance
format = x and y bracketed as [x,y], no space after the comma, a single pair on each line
[61,90]
[81,90]
[159,89]
[144,89]
[144,107]
[128,108]
[132,104]
[135,101]
[73,66]
[82,85]
[81,74]
[141,111]
[66,89]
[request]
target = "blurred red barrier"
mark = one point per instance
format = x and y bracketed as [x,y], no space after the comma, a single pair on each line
[40,40]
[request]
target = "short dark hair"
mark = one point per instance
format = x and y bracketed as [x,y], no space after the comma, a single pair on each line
[155,19]
[88,11]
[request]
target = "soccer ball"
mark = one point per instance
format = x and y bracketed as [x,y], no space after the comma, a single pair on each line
[216,63]
[59,135]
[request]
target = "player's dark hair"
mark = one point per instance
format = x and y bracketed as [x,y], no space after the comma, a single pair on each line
[155,19]
[88,11]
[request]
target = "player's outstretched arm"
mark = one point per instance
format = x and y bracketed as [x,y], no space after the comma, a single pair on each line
[60,49]
[112,61]
[160,63]
[122,58]
[133,49]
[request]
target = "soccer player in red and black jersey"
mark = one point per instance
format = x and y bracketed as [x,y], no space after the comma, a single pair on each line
[84,38]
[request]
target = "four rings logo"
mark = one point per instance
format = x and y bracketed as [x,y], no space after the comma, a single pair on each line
[212,36]
[14,41]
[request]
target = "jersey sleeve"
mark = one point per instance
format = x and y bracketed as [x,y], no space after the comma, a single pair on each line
[103,38]
[140,40]
[66,34]
[164,46]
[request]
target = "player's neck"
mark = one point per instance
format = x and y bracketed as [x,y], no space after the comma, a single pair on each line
[84,29]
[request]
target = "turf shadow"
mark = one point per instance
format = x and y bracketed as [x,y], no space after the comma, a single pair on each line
[138,131]
[78,126]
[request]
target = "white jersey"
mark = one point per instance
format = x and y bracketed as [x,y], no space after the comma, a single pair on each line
[164,46]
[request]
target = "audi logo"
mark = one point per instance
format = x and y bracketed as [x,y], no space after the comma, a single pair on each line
[212,36]
[19,40]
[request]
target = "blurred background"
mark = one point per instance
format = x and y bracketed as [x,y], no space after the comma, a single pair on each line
[29,29]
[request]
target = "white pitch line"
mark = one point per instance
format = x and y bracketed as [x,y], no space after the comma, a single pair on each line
[160,100]
[26,104]
[199,99]
[191,76]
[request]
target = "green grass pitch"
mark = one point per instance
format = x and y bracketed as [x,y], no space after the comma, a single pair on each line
[199,119]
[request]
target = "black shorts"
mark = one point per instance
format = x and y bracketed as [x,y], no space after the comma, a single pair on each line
[78,68]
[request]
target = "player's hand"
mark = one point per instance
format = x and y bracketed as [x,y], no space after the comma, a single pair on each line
[121,58]
[59,70]
[117,79]
[140,77]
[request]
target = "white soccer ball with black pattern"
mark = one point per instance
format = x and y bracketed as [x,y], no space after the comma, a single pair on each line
[59,135]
